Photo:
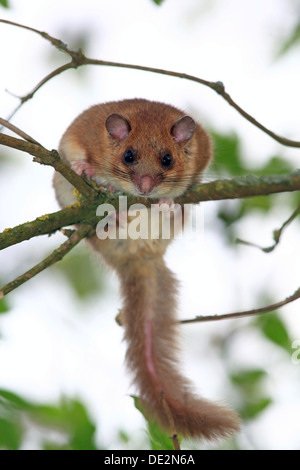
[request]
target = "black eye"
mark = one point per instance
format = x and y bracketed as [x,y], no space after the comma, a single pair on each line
[167,161]
[129,157]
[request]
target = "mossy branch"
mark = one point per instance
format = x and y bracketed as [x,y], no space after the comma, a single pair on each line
[84,211]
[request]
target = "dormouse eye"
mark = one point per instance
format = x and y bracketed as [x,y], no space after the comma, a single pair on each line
[129,157]
[167,161]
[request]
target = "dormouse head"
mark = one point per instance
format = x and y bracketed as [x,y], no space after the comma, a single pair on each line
[156,152]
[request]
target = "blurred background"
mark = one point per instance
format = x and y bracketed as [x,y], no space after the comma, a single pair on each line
[62,377]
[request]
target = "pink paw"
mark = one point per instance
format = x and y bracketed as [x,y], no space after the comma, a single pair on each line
[166,200]
[80,166]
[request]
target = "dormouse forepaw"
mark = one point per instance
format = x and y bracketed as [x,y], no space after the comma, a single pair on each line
[81,167]
[166,200]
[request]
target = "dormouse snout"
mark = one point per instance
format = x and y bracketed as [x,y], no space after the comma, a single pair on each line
[144,183]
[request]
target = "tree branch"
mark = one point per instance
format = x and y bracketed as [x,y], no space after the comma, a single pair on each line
[245,186]
[74,238]
[43,225]
[51,158]
[257,311]
[18,131]
[85,212]
[79,59]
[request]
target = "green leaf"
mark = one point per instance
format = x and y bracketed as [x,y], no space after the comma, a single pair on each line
[4,307]
[252,410]
[124,436]
[248,378]
[158,2]
[291,41]
[227,152]
[84,274]
[10,434]
[275,166]
[14,400]
[159,439]
[68,417]
[274,329]
[4,3]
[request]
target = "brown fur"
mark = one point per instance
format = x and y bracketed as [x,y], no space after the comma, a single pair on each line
[148,287]
[151,124]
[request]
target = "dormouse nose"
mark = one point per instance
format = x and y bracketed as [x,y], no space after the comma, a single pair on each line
[145,184]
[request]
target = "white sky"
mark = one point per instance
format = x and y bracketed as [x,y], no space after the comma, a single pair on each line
[49,347]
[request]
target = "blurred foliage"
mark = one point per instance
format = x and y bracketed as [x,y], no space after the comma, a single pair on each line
[228,157]
[158,2]
[250,385]
[274,329]
[4,306]
[4,3]
[68,419]
[84,272]
[229,162]
[292,40]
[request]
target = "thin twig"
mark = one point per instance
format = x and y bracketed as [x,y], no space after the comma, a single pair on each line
[56,42]
[78,59]
[257,311]
[57,255]
[276,234]
[51,158]
[174,435]
[18,131]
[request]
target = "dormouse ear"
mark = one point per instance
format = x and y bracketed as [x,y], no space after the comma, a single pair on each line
[117,126]
[183,129]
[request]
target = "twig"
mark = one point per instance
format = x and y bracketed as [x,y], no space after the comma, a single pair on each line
[51,158]
[18,131]
[276,234]
[257,311]
[56,42]
[174,435]
[78,59]
[57,255]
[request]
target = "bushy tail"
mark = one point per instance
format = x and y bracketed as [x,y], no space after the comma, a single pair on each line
[149,318]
